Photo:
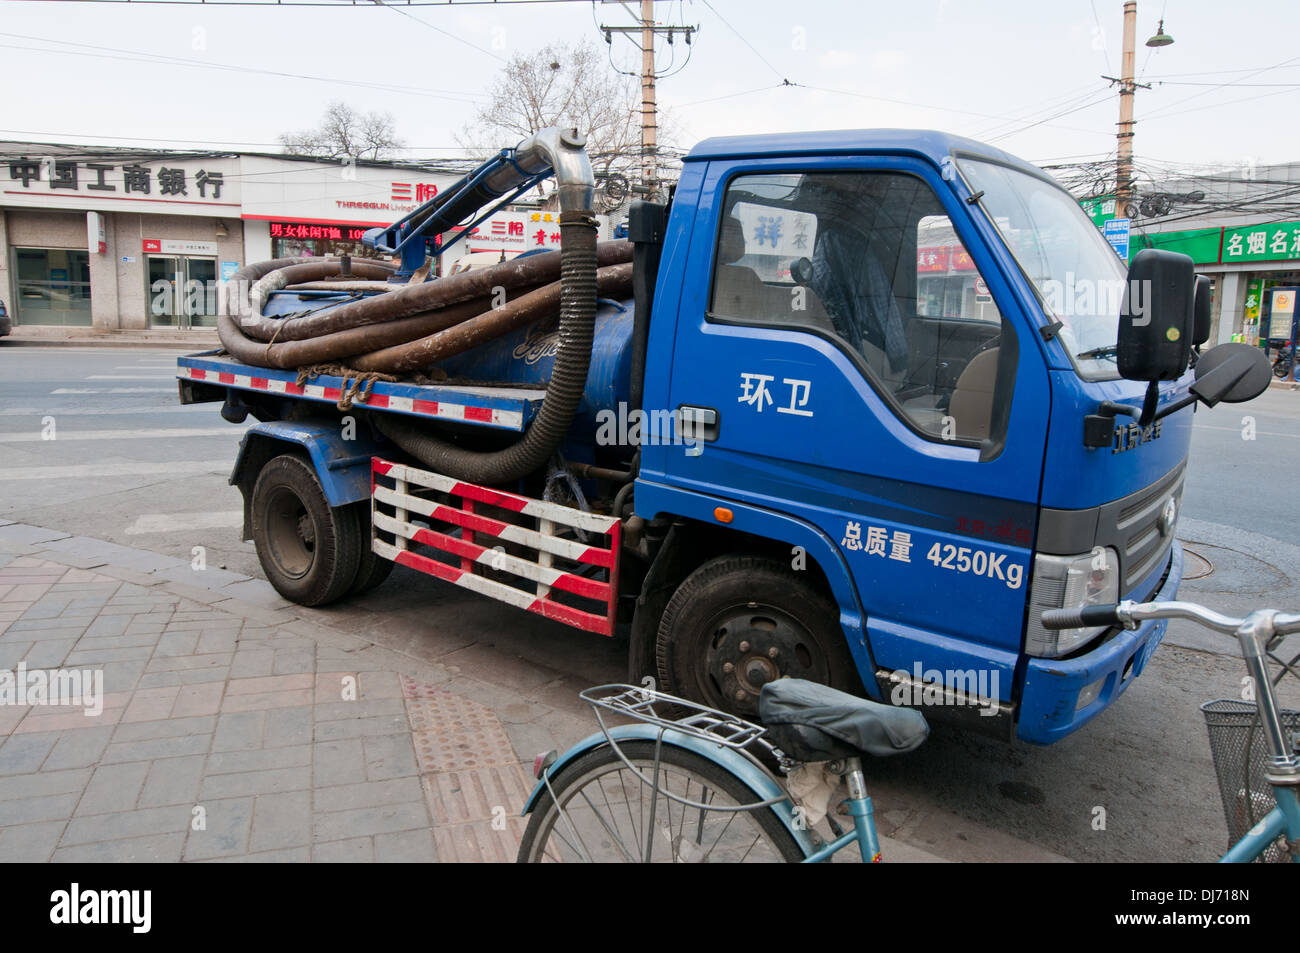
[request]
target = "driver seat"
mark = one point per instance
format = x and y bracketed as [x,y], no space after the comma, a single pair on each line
[813,722]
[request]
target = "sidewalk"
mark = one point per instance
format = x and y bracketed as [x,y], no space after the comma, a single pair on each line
[193,339]
[237,726]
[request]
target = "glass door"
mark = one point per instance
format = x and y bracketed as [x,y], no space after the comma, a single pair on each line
[182,292]
[164,279]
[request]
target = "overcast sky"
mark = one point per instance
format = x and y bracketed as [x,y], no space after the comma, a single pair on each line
[1014,72]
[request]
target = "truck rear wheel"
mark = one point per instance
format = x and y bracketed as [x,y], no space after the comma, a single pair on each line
[309,550]
[738,622]
[372,570]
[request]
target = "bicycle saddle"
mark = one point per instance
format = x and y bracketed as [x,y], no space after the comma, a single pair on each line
[813,722]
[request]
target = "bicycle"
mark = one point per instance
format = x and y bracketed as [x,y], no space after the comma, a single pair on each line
[697,787]
[1262,824]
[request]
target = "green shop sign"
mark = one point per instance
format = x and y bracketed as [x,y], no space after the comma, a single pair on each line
[1100,209]
[1271,242]
[1202,244]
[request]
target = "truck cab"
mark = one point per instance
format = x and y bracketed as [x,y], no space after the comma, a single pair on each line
[888,342]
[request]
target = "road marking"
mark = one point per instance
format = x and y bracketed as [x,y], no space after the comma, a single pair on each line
[103,470]
[130,377]
[27,436]
[100,411]
[114,390]
[1258,433]
[184,522]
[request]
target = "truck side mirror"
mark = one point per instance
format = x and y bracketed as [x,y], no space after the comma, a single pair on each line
[1201,312]
[1232,373]
[1155,323]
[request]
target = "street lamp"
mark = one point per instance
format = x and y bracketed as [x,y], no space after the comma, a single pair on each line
[1161,38]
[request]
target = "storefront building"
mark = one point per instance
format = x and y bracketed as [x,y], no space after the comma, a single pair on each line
[124,239]
[1242,231]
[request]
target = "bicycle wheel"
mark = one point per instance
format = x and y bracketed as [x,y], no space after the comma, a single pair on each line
[604,813]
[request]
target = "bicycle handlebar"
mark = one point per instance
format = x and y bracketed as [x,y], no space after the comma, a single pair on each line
[1129,614]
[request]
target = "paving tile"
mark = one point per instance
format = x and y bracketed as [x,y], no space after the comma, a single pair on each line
[479,842]
[168,728]
[227,825]
[150,704]
[32,809]
[121,825]
[30,843]
[24,753]
[79,749]
[353,850]
[249,663]
[388,818]
[156,748]
[288,726]
[172,781]
[408,847]
[258,759]
[201,699]
[270,781]
[239,730]
[265,700]
[335,711]
[158,849]
[338,762]
[367,794]
[359,727]
[480,794]
[389,756]
[281,821]
[113,788]
[291,855]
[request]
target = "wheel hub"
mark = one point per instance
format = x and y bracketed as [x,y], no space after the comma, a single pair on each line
[752,645]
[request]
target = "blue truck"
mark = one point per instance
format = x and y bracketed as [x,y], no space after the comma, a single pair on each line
[873,401]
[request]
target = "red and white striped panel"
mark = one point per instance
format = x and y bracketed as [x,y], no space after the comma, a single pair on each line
[473,553]
[556,512]
[441,409]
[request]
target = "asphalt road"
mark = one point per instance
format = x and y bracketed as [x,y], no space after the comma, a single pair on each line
[128,464]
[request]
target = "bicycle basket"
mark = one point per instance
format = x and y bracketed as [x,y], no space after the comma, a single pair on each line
[1240,754]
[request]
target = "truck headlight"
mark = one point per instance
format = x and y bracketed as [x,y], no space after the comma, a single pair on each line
[1069,582]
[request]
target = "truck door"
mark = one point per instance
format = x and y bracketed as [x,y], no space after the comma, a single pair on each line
[868,371]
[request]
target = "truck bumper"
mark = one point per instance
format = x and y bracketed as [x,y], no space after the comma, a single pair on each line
[1051,706]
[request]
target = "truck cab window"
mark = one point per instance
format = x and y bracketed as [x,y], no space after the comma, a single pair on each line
[870,260]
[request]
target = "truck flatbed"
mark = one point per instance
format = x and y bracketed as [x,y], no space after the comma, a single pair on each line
[502,408]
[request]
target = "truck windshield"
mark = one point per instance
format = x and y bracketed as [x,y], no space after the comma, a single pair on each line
[1079,278]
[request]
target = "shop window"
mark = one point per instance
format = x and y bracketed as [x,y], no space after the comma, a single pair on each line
[52,286]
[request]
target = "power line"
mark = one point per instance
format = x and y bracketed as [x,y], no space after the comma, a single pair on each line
[438,29]
[753,49]
[142,56]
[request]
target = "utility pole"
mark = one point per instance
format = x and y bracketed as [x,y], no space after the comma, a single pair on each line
[649,124]
[1128,87]
[1127,90]
[647,30]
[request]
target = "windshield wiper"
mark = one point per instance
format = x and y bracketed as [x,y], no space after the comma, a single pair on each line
[1110,350]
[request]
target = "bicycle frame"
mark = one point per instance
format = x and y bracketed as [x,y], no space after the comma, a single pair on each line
[1282,820]
[864,821]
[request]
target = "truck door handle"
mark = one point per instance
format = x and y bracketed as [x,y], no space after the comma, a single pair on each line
[696,424]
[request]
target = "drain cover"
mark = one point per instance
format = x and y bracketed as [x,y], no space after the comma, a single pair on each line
[1195,566]
[1211,568]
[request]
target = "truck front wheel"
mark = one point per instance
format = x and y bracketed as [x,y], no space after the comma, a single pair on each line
[738,622]
[309,550]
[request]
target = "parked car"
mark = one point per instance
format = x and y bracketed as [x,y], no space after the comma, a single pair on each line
[6,323]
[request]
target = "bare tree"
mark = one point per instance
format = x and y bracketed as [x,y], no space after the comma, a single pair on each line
[345,132]
[562,85]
